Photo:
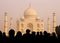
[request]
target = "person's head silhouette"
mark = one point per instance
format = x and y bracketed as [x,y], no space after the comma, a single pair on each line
[19,33]
[11,33]
[41,33]
[33,33]
[28,31]
[45,33]
[38,33]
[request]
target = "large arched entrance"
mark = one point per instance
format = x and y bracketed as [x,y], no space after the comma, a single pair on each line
[30,26]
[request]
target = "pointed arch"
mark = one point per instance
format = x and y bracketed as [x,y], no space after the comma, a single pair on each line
[30,26]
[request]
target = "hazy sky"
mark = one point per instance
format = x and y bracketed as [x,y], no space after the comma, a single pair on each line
[15,9]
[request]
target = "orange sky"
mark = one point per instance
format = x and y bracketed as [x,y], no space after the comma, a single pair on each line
[15,9]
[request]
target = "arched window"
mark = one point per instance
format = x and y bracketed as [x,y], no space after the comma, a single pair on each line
[30,26]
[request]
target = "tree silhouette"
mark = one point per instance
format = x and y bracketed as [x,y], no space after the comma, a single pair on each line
[58,30]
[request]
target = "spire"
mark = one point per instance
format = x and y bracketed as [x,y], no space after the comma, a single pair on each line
[54,22]
[5,23]
[48,24]
[30,5]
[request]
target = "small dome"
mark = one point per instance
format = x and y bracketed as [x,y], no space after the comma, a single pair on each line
[29,12]
[22,18]
[38,17]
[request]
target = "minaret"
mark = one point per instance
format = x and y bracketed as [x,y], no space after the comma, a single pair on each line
[6,23]
[54,22]
[42,25]
[17,25]
[11,25]
[48,26]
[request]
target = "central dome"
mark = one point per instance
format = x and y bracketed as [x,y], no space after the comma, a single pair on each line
[30,12]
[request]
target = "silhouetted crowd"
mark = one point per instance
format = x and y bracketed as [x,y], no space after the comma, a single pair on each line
[28,37]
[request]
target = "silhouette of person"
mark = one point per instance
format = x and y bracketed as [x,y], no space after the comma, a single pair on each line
[27,36]
[18,36]
[33,36]
[4,37]
[11,34]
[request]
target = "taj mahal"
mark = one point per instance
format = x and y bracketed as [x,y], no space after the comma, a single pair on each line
[30,21]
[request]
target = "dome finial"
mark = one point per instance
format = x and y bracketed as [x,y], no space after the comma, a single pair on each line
[30,4]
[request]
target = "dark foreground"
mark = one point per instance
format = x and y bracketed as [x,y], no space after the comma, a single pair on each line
[29,38]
